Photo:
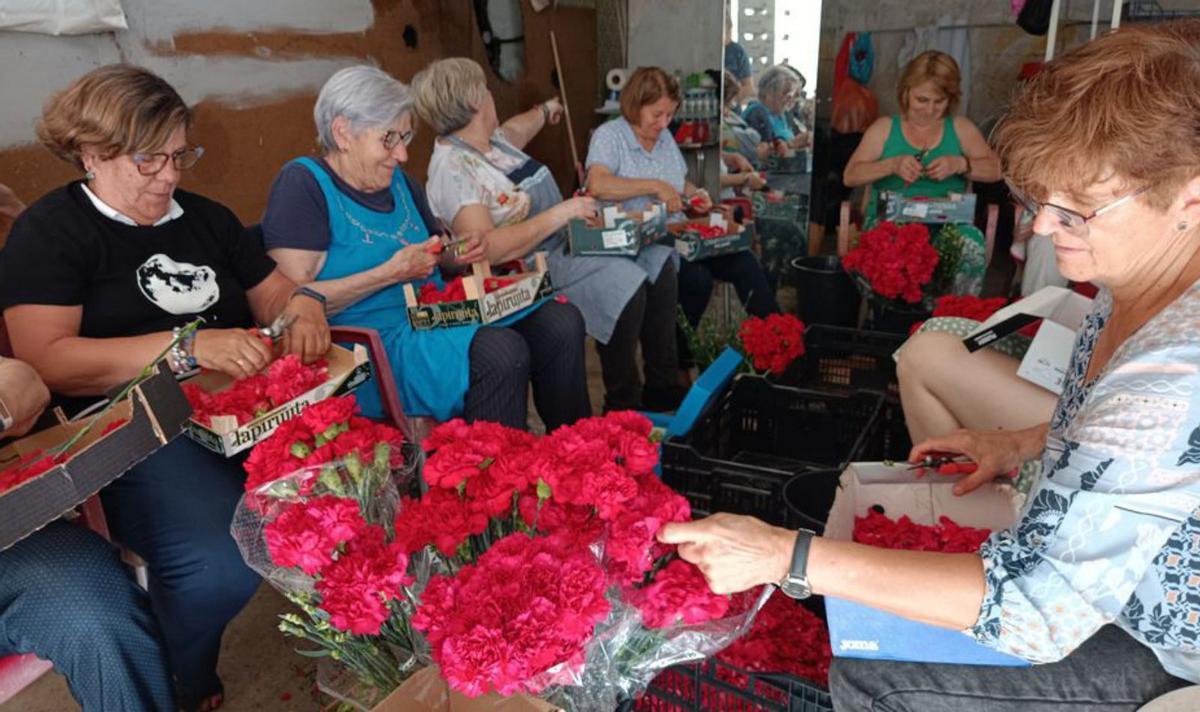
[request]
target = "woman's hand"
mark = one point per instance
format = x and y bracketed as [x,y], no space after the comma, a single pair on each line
[580,207]
[670,196]
[943,167]
[802,140]
[763,149]
[734,552]
[994,452]
[308,336]
[907,167]
[414,261]
[470,250]
[554,109]
[23,394]
[239,353]
[781,148]
[754,181]
[700,201]
[736,162]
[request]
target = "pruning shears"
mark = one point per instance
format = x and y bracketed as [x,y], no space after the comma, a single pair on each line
[944,463]
[278,328]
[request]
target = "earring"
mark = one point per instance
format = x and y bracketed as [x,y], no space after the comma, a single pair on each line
[90,175]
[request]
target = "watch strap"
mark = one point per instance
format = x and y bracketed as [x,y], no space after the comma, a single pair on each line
[311,294]
[799,568]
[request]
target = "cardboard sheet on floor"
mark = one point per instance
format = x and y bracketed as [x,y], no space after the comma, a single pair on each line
[426,691]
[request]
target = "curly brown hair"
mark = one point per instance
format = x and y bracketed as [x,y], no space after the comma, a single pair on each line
[117,109]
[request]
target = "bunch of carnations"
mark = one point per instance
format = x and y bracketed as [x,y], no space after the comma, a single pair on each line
[706,231]
[316,522]
[897,262]
[773,343]
[454,291]
[787,639]
[249,398]
[553,582]
[28,467]
[877,529]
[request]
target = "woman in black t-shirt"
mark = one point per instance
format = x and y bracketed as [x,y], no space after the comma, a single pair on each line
[93,280]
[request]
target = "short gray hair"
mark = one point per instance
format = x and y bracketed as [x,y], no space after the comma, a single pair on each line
[449,92]
[776,80]
[368,97]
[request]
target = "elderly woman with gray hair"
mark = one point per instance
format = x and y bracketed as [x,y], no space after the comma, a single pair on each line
[353,227]
[779,88]
[481,181]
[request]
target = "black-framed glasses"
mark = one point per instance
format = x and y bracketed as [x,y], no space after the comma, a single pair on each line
[149,164]
[393,138]
[1071,221]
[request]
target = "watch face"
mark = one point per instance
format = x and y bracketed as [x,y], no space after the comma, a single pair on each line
[795,587]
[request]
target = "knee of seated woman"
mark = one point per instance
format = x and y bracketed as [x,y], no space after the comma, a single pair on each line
[499,352]
[928,352]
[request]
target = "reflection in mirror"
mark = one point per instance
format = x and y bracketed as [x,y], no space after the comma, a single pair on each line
[770,61]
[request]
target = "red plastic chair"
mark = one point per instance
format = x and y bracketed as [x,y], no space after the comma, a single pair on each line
[382,371]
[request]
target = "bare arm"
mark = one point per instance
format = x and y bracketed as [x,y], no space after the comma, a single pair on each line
[23,394]
[275,295]
[604,185]
[866,166]
[737,552]
[510,242]
[303,266]
[985,164]
[520,129]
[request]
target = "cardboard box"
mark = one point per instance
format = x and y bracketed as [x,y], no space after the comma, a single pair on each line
[1045,363]
[777,206]
[954,208]
[858,631]
[425,691]
[482,306]
[347,370]
[691,246]
[156,411]
[617,232]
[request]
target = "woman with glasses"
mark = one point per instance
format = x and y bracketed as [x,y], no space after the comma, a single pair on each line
[779,89]
[96,280]
[1096,584]
[353,227]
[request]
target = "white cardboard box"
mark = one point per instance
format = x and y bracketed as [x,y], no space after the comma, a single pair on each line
[1046,361]
[859,631]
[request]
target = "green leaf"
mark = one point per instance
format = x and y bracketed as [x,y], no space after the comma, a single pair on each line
[300,449]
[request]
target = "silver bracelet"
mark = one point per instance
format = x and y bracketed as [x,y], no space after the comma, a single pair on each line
[545,112]
[182,360]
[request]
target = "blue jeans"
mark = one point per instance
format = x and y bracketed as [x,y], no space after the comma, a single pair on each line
[66,597]
[174,509]
[1110,672]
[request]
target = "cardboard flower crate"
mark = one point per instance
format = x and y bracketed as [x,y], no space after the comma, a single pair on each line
[774,205]
[692,245]
[618,233]
[758,436]
[347,370]
[153,414]
[954,208]
[482,306]
[858,631]
[426,691]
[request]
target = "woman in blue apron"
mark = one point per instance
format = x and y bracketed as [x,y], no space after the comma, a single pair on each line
[353,227]
[480,181]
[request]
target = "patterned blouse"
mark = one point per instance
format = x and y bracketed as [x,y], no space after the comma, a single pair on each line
[1111,532]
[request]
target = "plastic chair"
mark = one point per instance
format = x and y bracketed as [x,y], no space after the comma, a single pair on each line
[383,369]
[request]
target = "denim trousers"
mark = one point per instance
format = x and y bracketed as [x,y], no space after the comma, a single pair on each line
[174,510]
[1110,672]
[66,597]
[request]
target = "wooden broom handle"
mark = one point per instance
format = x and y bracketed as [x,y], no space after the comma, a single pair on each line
[562,88]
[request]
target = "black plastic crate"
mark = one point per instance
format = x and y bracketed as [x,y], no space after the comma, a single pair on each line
[851,359]
[714,686]
[760,435]
[888,438]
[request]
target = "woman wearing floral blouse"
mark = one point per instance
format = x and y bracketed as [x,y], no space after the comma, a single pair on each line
[1098,582]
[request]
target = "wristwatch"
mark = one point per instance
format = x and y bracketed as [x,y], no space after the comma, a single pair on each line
[795,583]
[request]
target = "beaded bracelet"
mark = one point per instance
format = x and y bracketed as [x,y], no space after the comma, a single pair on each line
[182,359]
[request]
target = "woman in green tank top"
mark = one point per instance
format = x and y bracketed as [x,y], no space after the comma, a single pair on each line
[927,151]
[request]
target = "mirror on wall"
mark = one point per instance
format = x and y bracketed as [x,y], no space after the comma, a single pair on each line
[770,52]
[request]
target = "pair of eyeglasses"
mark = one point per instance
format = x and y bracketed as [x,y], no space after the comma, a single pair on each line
[393,138]
[149,164]
[1071,221]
